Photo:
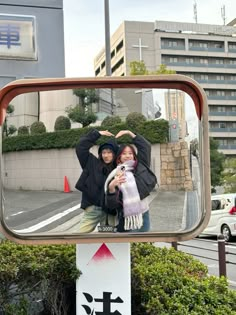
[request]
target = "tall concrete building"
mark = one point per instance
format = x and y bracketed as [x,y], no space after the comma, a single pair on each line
[175,112]
[207,53]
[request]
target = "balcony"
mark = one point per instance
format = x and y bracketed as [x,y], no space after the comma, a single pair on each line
[222,114]
[221,97]
[207,49]
[224,130]
[179,47]
[227,146]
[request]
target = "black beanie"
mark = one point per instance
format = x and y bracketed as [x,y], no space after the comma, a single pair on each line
[112,145]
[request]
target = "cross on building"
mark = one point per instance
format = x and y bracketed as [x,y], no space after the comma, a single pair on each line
[140,46]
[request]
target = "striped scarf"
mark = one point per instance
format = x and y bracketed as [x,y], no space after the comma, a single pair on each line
[133,207]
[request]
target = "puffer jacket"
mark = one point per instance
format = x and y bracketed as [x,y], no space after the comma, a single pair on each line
[145,179]
[94,174]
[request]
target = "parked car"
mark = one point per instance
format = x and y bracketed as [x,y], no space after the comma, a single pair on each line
[223,216]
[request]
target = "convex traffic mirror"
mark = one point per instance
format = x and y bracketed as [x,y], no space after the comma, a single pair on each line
[39,200]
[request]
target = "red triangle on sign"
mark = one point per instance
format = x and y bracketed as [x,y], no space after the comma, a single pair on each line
[103,253]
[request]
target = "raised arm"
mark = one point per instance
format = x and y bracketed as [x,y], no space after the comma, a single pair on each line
[86,142]
[143,146]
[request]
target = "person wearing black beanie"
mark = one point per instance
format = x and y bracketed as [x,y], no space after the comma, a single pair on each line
[94,173]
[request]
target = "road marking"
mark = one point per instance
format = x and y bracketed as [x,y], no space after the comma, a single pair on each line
[48,221]
[14,214]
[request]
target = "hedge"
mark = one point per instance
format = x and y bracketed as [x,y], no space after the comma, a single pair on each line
[156,131]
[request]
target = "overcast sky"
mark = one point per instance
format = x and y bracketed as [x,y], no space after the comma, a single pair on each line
[85,30]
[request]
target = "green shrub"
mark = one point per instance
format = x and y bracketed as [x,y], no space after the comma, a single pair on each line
[62,123]
[45,272]
[110,121]
[37,127]
[166,281]
[135,119]
[23,130]
[155,131]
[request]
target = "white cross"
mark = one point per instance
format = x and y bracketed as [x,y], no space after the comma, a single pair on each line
[140,46]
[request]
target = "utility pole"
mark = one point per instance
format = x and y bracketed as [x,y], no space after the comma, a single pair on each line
[107,38]
[108,46]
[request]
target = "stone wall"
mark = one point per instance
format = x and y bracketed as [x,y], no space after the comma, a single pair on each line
[175,167]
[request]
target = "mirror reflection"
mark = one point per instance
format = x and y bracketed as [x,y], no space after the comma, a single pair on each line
[40,170]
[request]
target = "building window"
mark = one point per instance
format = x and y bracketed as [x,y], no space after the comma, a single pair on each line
[119,46]
[117,65]
[221,109]
[222,125]
[232,61]
[113,53]
[203,61]
[97,71]
[193,43]
[173,59]
[220,93]
[189,60]
[232,45]
[219,61]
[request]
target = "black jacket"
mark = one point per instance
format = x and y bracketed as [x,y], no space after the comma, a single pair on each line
[145,179]
[94,174]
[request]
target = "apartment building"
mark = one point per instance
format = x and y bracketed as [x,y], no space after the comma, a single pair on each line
[205,52]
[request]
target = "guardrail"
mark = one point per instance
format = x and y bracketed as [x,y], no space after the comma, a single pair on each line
[222,253]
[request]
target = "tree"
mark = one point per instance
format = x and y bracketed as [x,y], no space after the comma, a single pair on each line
[7,131]
[82,112]
[216,161]
[163,70]
[139,68]
[229,175]
[217,164]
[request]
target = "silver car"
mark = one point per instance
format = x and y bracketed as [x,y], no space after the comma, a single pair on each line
[223,216]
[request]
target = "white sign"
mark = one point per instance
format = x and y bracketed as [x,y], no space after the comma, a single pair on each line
[17,37]
[104,287]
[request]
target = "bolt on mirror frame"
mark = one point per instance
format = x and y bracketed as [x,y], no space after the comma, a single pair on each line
[173,81]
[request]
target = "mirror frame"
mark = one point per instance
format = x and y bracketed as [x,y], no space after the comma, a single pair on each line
[171,81]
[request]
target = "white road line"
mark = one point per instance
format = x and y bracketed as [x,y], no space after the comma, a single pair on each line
[14,214]
[48,221]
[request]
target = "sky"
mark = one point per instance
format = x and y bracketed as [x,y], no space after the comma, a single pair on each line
[84,25]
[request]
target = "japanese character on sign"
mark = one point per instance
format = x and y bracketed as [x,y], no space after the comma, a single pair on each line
[10,35]
[106,300]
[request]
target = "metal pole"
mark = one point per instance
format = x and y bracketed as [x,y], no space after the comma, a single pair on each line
[174,245]
[107,38]
[108,47]
[221,255]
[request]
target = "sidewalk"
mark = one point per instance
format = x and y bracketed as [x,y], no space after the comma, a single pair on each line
[167,212]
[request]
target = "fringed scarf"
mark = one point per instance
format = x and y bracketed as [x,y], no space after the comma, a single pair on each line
[133,207]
